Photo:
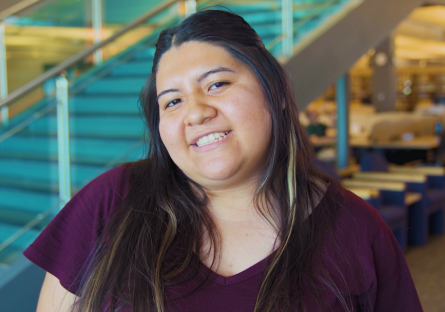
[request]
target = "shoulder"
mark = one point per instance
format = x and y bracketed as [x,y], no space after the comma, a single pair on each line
[64,246]
[365,258]
[357,226]
[350,245]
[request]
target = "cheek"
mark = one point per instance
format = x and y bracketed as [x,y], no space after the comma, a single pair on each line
[254,125]
[170,133]
[244,109]
[252,114]
[259,122]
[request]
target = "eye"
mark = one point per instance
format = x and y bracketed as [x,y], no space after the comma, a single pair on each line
[217,85]
[172,103]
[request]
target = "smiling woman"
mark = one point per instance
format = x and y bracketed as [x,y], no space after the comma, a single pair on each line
[227,212]
[206,99]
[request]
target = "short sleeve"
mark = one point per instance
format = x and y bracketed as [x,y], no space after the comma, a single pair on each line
[64,246]
[395,290]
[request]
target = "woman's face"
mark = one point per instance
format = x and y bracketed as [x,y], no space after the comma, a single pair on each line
[214,118]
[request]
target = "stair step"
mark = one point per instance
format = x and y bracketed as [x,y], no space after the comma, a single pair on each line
[104,104]
[136,67]
[33,201]
[14,251]
[116,86]
[19,217]
[27,184]
[326,12]
[267,30]
[257,7]
[146,55]
[103,126]
[262,18]
[3,269]
[43,173]
[82,150]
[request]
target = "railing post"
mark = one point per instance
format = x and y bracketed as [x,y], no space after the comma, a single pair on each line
[342,98]
[190,7]
[63,139]
[287,25]
[97,28]
[3,75]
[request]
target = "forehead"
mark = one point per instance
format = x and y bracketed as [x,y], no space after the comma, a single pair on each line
[191,59]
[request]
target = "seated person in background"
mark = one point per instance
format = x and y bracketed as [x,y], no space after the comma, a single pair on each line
[321,136]
[315,128]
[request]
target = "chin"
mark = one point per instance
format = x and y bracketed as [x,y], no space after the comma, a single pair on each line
[218,175]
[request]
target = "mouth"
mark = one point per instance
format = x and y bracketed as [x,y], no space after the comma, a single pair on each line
[211,138]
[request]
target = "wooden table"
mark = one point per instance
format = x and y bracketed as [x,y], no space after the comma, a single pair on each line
[364,193]
[368,193]
[419,143]
[412,198]
[323,141]
[349,170]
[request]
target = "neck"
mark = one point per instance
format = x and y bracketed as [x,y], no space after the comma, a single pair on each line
[232,204]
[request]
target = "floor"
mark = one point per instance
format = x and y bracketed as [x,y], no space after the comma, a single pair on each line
[427,265]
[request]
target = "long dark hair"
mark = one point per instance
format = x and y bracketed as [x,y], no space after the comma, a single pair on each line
[152,240]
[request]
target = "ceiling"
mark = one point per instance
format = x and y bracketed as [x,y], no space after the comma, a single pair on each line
[419,41]
[421,36]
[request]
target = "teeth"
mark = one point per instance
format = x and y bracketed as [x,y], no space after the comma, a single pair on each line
[211,138]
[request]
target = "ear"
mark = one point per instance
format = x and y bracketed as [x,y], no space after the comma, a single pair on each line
[283,105]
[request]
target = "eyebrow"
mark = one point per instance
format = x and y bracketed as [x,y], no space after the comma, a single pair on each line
[214,71]
[165,92]
[200,78]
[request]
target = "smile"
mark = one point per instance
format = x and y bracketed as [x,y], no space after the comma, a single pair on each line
[211,138]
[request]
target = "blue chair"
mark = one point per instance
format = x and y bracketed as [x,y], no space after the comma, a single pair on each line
[390,203]
[435,194]
[394,212]
[426,215]
[328,168]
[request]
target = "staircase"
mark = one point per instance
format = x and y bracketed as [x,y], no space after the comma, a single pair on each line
[106,128]
[76,13]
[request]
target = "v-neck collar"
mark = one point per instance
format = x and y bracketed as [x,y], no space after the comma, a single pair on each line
[250,272]
[255,269]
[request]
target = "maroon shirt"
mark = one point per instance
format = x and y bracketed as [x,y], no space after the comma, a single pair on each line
[63,247]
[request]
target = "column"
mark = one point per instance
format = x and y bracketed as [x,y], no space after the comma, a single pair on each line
[384,79]
[342,98]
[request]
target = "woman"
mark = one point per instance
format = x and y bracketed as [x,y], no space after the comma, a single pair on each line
[227,213]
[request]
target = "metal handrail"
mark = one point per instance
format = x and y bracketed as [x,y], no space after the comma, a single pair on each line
[38,218]
[17,8]
[316,10]
[29,87]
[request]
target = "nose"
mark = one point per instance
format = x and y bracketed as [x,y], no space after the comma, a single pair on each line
[199,112]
